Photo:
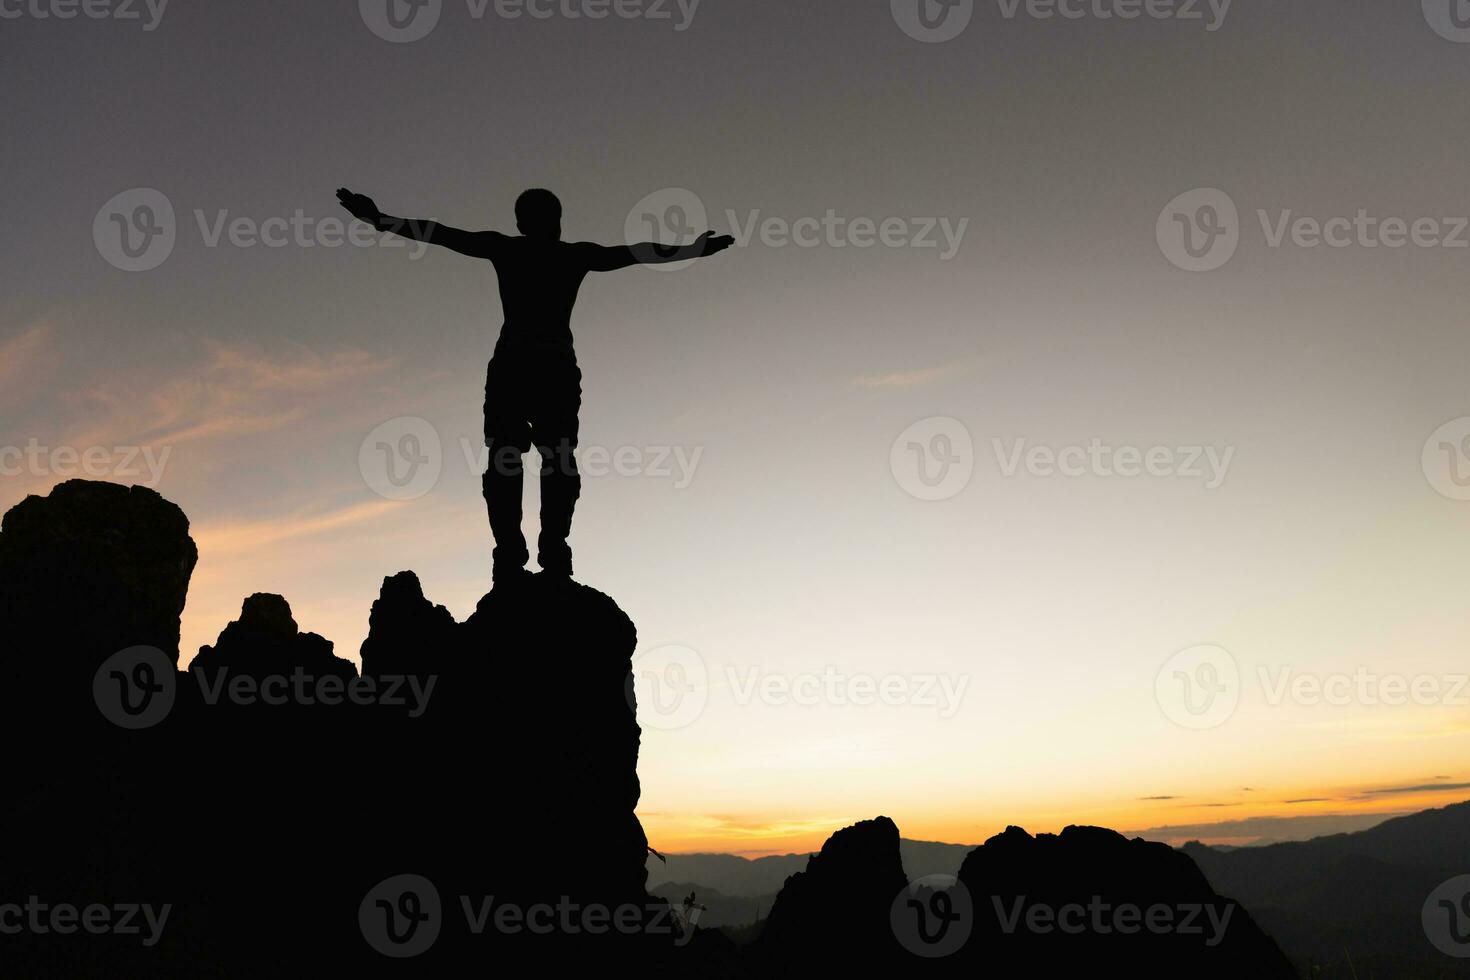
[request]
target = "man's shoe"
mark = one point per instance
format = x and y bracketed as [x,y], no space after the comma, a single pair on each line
[511,575]
[557,569]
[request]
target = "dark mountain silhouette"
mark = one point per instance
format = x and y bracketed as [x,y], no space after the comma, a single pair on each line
[472,770]
[1357,895]
[1088,867]
[846,890]
[736,876]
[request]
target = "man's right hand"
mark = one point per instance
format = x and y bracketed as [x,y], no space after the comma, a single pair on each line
[360,206]
[709,243]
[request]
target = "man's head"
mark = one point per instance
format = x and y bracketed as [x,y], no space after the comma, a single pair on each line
[538,214]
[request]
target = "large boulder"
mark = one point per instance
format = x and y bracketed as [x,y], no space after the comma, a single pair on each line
[86,572]
[837,911]
[532,719]
[1089,900]
[91,569]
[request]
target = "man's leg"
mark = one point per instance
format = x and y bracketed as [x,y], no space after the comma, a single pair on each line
[554,431]
[508,436]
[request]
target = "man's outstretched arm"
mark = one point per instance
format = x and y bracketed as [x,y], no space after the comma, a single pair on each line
[474,243]
[610,258]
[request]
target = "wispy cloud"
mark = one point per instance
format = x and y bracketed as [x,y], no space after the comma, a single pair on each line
[918,377]
[233,538]
[234,391]
[1397,727]
[19,353]
[1421,788]
[26,361]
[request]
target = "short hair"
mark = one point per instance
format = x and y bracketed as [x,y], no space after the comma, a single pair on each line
[537,205]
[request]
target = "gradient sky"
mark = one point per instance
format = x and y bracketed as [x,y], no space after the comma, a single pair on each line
[792,371]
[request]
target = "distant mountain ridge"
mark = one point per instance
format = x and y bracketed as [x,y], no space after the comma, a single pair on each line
[1359,894]
[740,877]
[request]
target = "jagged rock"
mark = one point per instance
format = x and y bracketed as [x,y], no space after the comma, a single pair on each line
[837,910]
[408,634]
[552,668]
[1085,867]
[265,641]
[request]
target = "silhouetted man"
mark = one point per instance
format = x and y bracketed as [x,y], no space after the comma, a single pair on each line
[533,388]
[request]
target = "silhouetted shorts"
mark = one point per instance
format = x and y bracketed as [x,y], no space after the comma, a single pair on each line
[532,397]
